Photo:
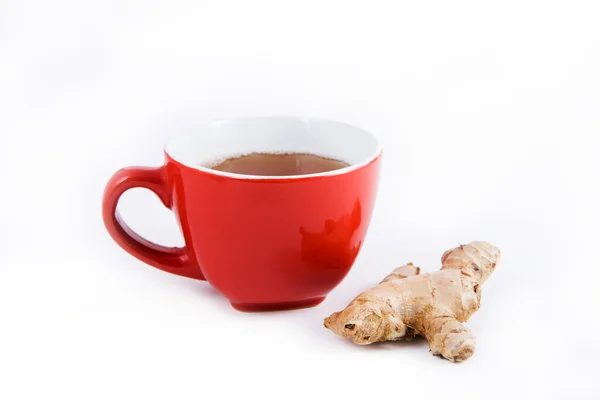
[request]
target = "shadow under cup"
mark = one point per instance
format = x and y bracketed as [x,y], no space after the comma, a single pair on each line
[264,242]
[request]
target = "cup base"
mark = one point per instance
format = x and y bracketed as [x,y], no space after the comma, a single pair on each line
[291,305]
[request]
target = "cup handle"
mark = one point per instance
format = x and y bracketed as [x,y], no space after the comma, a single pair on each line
[175,260]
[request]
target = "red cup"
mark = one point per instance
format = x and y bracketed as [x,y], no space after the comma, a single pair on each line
[265,242]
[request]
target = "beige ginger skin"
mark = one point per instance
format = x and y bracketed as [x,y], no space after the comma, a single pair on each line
[434,305]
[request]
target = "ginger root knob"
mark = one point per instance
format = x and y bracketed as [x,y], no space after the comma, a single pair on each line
[433,305]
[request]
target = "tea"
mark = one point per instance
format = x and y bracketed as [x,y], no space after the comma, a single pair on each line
[269,164]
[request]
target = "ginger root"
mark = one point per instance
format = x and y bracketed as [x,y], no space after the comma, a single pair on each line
[434,305]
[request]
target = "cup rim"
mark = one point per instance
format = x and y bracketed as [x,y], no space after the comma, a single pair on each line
[353,167]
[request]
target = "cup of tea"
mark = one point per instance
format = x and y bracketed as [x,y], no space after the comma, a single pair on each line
[273,210]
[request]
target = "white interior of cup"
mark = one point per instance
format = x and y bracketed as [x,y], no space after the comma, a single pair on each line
[231,138]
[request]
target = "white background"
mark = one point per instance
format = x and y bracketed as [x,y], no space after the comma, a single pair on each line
[489,114]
